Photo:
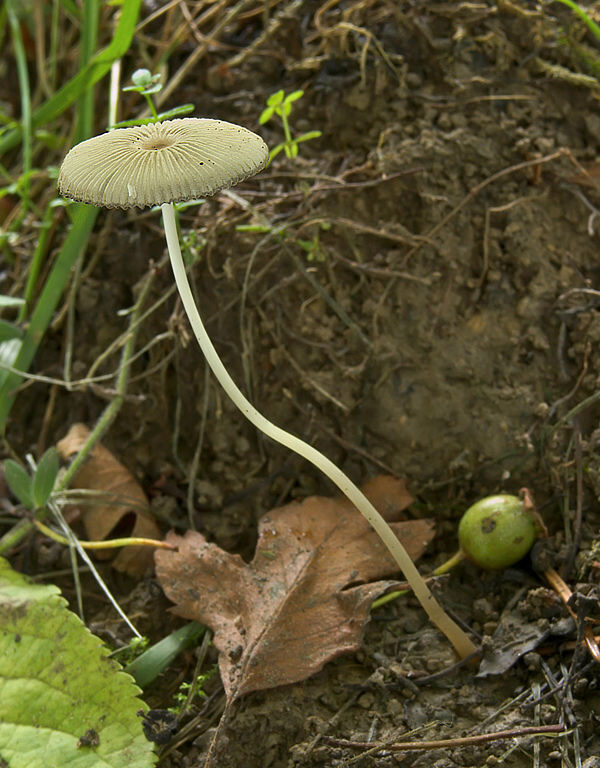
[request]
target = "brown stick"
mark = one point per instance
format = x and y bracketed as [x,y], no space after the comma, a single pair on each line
[405,746]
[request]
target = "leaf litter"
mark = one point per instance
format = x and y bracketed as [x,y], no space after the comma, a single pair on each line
[305,597]
[122,507]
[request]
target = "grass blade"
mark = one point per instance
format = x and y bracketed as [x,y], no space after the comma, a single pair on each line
[87,46]
[85,78]
[23,78]
[75,243]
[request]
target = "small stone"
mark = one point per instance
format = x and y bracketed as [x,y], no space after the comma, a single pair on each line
[366,701]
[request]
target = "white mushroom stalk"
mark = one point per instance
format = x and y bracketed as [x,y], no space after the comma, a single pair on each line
[176,160]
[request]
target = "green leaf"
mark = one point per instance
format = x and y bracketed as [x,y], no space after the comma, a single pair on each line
[183,109]
[134,121]
[9,352]
[276,150]
[11,301]
[259,228]
[20,484]
[148,666]
[275,99]
[58,687]
[266,115]
[307,136]
[45,477]
[294,96]
[152,89]
[8,331]
[49,139]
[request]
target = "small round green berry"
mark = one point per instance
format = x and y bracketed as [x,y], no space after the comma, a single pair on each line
[497,531]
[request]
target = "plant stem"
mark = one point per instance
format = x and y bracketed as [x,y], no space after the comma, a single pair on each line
[148,98]
[451,563]
[109,544]
[445,567]
[289,144]
[438,616]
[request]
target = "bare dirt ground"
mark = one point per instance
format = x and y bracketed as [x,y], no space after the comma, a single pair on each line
[428,307]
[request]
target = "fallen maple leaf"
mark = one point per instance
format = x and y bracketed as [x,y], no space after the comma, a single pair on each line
[305,597]
[121,496]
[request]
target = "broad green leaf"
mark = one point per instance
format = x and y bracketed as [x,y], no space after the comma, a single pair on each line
[45,477]
[20,483]
[57,687]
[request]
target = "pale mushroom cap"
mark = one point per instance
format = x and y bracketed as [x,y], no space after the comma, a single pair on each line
[159,163]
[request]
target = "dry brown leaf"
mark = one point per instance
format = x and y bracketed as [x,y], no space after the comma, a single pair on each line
[122,496]
[305,597]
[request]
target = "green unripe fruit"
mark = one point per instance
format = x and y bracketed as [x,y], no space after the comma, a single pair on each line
[497,531]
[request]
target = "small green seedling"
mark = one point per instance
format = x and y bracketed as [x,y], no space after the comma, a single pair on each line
[281,105]
[192,244]
[147,84]
[314,249]
[33,491]
[130,652]
[188,691]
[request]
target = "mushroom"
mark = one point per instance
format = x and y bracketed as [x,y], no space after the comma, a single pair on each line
[183,159]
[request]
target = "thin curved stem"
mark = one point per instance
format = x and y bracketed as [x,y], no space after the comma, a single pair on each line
[438,616]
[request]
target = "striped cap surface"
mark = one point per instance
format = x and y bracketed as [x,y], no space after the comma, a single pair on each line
[159,163]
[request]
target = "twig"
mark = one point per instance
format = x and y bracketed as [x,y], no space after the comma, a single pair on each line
[411,746]
[565,594]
